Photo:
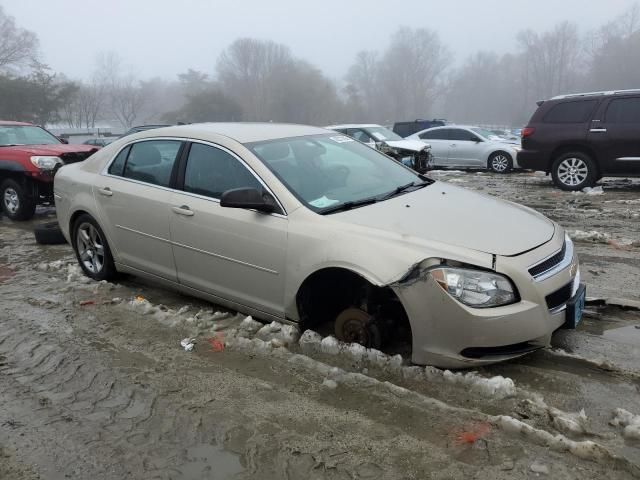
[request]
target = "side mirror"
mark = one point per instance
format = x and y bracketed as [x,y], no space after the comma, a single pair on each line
[247,198]
[63,140]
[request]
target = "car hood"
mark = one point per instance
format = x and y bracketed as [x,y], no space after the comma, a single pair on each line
[53,150]
[455,216]
[411,145]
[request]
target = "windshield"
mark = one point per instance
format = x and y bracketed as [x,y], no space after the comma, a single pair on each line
[325,171]
[382,134]
[488,134]
[25,135]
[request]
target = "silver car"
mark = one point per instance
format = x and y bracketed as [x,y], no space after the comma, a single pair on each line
[301,224]
[459,146]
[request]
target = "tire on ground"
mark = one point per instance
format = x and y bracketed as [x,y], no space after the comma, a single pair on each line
[574,171]
[107,271]
[22,206]
[49,234]
[502,167]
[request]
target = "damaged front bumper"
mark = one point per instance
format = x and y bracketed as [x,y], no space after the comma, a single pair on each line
[449,334]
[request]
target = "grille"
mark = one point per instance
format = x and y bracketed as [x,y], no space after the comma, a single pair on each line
[549,263]
[74,157]
[560,296]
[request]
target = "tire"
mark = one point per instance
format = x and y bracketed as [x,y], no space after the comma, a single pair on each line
[92,250]
[574,171]
[49,234]
[500,162]
[16,201]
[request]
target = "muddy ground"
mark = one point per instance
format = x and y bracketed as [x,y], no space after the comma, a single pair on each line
[94,383]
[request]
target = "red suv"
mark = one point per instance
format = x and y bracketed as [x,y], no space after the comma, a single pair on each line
[29,158]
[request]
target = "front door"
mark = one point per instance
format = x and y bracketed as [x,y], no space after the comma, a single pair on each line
[616,134]
[464,147]
[438,138]
[132,198]
[233,253]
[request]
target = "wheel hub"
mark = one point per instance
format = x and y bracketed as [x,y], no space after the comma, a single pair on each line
[572,171]
[90,248]
[11,200]
[357,326]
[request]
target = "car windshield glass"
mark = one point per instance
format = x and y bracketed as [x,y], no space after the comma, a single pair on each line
[326,171]
[488,134]
[382,133]
[25,135]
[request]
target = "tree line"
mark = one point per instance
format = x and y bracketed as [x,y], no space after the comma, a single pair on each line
[261,80]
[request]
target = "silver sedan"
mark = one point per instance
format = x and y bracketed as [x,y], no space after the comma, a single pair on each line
[459,146]
[301,224]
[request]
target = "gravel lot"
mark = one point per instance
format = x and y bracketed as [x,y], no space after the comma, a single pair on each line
[94,382]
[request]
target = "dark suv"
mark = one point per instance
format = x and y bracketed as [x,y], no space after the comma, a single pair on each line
[29,158]
[582,137]
[404,129]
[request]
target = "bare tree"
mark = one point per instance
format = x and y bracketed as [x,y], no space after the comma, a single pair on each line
[363,85]
[412,72]
[249,70]
[18,47]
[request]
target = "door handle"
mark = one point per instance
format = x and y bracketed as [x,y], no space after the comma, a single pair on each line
[598,130]
[452,144]
[183,210]
[106,191]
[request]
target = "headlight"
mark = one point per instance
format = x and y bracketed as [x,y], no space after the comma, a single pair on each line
[46,163]
[475,288]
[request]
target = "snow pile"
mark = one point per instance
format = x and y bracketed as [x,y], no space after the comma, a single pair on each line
[56,265]
[586,450]
[596,362]
[629,421]
[592,236]
[250,325]
[496,387]
[591,191]
[276,331]
[458,180]
[575,423]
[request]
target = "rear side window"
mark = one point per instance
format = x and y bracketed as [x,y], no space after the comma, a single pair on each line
[152,161]
[441,134]
[623,110]
[211,171]
[570,112]
[117,166]
[461,135]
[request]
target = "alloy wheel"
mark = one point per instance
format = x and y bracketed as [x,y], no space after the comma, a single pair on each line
[572,171]
[11,201]
[500,163]
[90,247]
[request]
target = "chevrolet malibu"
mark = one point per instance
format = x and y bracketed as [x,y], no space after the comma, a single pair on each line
[301,224]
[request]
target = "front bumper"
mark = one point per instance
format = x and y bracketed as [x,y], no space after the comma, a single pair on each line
[448,334]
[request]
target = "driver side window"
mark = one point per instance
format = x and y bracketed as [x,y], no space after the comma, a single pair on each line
[211,171]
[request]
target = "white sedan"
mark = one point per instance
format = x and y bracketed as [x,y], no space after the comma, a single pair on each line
[469,147]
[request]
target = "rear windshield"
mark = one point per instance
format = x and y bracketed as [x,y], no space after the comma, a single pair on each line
[570,112]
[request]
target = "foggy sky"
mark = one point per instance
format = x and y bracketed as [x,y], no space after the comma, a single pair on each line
[166,37]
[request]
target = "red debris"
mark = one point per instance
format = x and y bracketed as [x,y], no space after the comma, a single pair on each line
[475,433]
[5,273]
[84,303]
[217,342]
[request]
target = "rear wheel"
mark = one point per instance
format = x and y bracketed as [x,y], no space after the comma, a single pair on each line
[92,250]
[17,203]
[574,171]
[500,162]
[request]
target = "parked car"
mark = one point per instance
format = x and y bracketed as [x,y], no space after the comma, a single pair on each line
[459,146]
[29,158]
[141,128]
[582,137]
[300,224]
[404,129]
[99,141]
[506,135]
[413,154]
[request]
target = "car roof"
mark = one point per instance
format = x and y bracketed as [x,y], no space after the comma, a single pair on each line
[596,94]
[242,132]
[9,122]
[354,125]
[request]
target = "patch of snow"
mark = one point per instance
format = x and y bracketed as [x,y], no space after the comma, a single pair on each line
[187,344]
[575,423]
[330,384]
[540,468]
[590,236]
[498,387]
[630,422]
[591,191]
[250,325]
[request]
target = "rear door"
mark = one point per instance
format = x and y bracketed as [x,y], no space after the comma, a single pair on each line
[439,141]
[615,131]
[132,198]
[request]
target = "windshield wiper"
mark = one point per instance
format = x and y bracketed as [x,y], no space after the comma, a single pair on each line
[348,205]
[403,188]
